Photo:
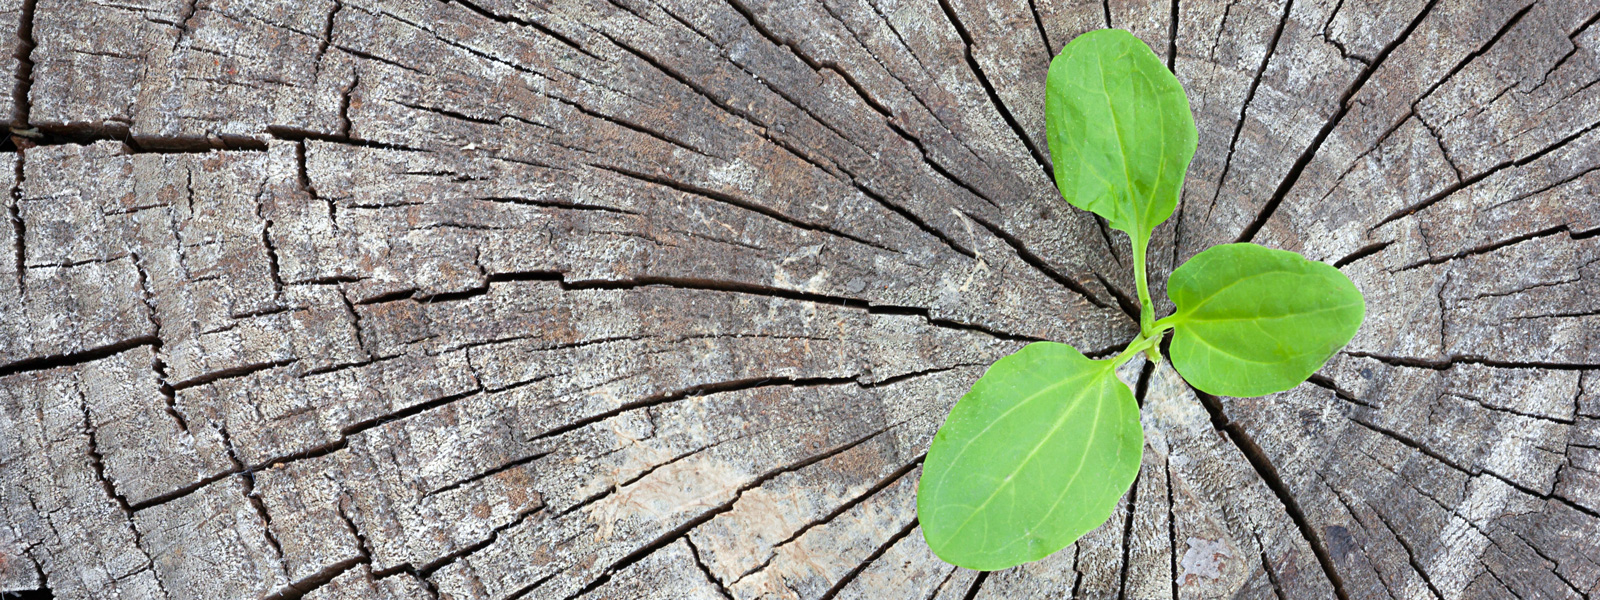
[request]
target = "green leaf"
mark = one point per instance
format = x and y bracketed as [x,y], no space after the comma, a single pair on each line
[1252,320]
[1036,455]
[1120,131]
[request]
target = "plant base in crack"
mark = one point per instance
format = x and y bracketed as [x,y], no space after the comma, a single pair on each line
[1046,443]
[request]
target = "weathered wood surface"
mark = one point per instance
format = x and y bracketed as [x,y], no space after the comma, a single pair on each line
[665,298]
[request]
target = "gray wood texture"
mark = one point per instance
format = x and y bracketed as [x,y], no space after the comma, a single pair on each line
[626,299]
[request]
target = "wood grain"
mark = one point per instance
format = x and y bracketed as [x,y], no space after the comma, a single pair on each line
[362,299]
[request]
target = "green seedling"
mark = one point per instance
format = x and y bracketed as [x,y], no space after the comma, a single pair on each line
[1044,445]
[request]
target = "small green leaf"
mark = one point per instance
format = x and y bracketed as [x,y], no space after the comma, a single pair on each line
[1036,455]
[1252,320]
[1120,131]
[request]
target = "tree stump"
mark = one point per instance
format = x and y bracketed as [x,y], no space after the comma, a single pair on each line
[665,298]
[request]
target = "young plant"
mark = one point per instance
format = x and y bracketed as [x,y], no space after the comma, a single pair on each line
[1044,445]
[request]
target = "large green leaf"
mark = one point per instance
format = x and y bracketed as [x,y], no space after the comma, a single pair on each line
[1252,320]
[1036,455]
[1120,131]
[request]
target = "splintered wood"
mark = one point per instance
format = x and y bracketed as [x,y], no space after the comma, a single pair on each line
[393,299]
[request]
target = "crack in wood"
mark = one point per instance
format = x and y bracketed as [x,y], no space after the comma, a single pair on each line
[684,529]
[457,484]
[1077,573]
[97,464]
[447,113]
[1545,188]
[248,478]
[183,491]
[977,582]
[534,25]
[327,33]
[1455,512]
[244,370]
[294,134]
[1272,577]
[737,202]
[1343,104]
[838,511]
[20,97]
[1249,96]
[698,562]
[43,592]
[87,134]
[1351,510]
[787,97]
[1126,303]
[1508,410]
[1143,386]
[1453,360]
[97,460]
[364,548]
[1360,253]
[1111,247]
[298,589]
[1411,554]
[880,108]
[1322,381]
[426,571]
[1038,22]
[637,128]
[382,60]
[730,287]
[1222,26]
[1557,315]
[1269,475]
[1471,56]
[1442,459]
[1502,582]
[816,65]
[1470,180]
[1555,565]
[934,593]
[938,168]
[757,128]
[19,229]
[1172,39]
[994,97]
[843,173]
[1172,527]
[159,365]
[1438,140]
[876,554]
[1034,260]
[1127,533]
[1572,39]
[312,452]
[938,119]
[69,359]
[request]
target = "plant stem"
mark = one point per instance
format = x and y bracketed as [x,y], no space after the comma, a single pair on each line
[1140,344]
[1147,309]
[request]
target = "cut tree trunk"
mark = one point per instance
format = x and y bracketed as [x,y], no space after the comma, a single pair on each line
[665,298]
